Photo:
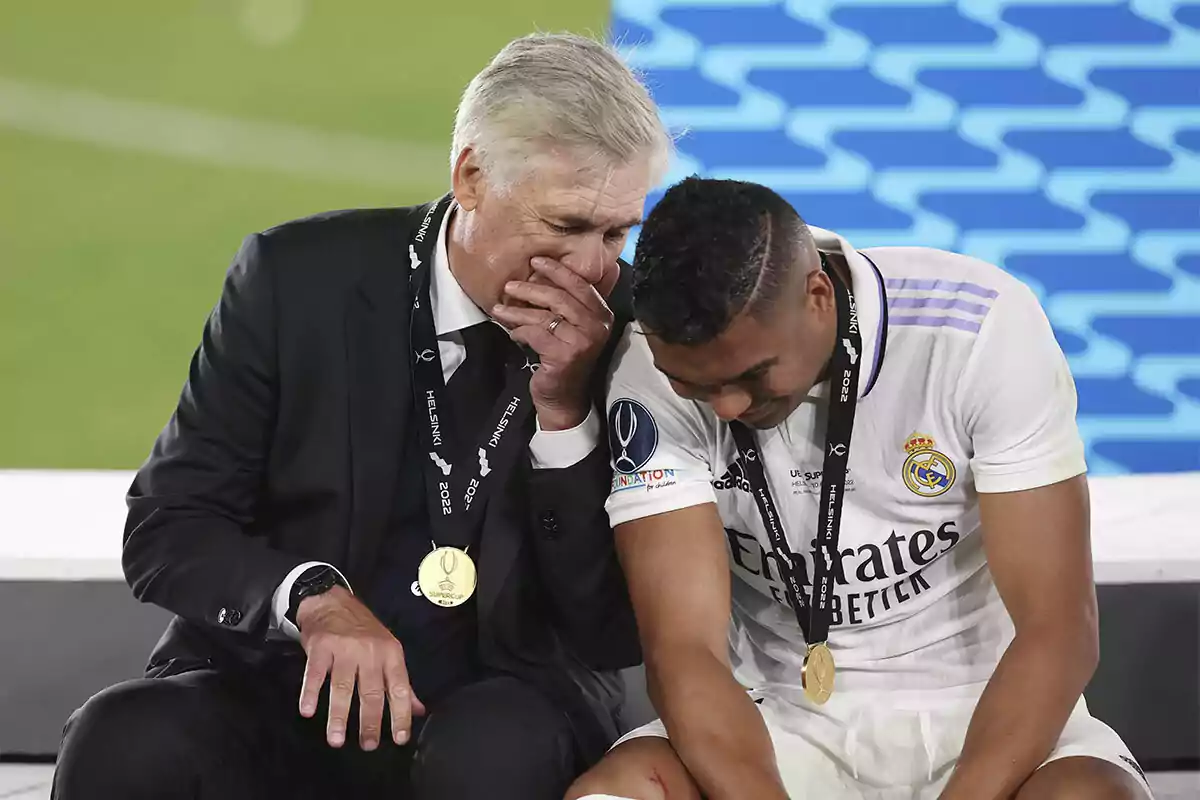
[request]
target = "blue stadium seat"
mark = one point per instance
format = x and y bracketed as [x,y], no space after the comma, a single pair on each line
[923,24]
[1190,387]
[1118,397]
[1087,147]
[1085,24]
[685,87]
[1188,138]
[742,25]
[730,149]
[845,211]
[829,87]
[1152,211]
[908,149]
[1071,344]
[1086,272]
[1002,210]
[1151,86]
[1189,15]
[1164,335]
[1138,455]
[1001,87]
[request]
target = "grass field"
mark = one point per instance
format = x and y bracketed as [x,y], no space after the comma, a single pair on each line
[118,213]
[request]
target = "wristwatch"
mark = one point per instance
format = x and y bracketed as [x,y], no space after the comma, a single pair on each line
[313,581]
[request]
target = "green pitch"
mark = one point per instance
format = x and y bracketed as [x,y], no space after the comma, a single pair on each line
[116,227]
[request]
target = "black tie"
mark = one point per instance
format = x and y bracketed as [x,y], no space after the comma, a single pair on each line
[478,381]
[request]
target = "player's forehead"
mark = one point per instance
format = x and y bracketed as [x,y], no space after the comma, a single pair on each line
[736,354]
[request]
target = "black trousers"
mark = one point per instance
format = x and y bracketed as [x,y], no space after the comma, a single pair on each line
[207,734]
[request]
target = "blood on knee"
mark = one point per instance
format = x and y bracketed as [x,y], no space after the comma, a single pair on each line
[642,785]
[646,769]
[659,783]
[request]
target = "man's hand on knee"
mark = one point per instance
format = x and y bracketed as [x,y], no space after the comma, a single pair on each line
[346,643]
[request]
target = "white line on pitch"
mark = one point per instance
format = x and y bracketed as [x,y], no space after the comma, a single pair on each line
[97,119]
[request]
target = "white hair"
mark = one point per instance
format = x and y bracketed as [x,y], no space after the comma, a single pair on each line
[558,91]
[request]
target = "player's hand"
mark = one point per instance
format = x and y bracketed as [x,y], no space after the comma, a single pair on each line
[346,643]
[567,323]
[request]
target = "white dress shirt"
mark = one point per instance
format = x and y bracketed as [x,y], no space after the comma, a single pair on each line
[452,312]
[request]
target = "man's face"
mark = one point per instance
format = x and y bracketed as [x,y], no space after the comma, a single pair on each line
[563,210]
[759,370]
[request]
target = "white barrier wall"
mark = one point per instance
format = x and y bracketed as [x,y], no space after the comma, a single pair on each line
[77,629]
[67,525]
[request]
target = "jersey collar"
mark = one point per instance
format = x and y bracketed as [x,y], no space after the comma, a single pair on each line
[869,296]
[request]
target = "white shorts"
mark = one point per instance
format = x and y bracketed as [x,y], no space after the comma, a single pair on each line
[902,747]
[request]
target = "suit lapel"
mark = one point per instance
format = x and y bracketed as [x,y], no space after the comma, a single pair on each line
[379,401]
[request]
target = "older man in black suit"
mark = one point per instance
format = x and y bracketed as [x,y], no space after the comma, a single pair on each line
[378,510]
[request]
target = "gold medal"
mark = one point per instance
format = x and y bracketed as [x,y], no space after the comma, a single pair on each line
[817,673]
[447,577]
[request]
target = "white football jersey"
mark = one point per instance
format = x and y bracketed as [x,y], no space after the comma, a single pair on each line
[962,389]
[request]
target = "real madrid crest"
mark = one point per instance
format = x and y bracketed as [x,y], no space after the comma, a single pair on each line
[927,472]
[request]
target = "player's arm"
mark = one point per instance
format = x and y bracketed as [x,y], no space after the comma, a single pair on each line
[1038,549]
[678,575]
[1018,401]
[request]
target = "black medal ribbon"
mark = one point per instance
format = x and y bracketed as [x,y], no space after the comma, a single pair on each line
[814,616]
[458,480]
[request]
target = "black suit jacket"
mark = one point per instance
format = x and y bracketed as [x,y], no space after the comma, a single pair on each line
[286,447]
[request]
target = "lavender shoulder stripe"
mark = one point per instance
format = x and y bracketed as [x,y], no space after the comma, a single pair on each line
[937,284]
[944,303]
[929,321]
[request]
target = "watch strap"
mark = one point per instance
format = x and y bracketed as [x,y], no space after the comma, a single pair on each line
[313,581]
